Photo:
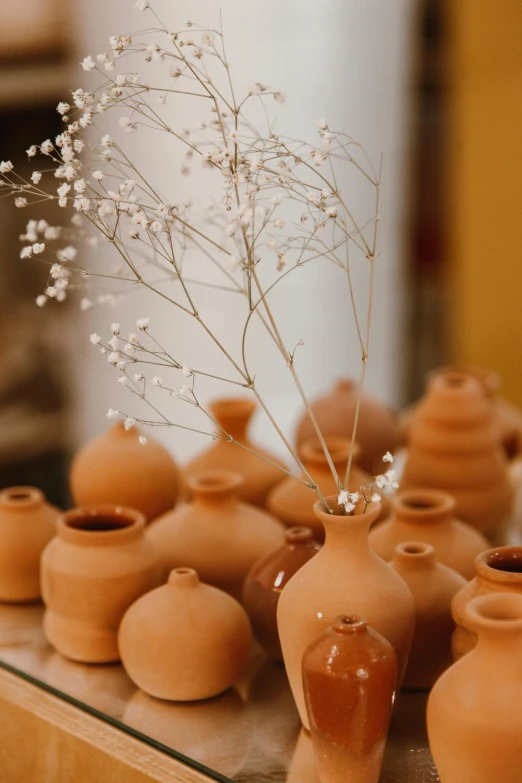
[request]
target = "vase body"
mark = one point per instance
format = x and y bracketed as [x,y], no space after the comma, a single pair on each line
[454,446]
[266,580]
[98,564]
[497,570]
[233,416]
[475,709]
[216,534]
[345,577]
[349,677]
[27,524]
[116,469]
[184,641]
[433,587]
[428,515]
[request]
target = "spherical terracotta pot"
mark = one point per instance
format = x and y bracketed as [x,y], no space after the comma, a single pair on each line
[27,524]
[216,535]
[186,640]
[98,564]
[377,427]
[345,576]
[259,475]
[454,447]
[116,469]
[497,570]
[433,587]
[266,580]
[428,515]
[350,677]
[474,713]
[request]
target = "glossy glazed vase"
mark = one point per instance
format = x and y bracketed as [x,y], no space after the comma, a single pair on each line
[27,524]
[350,678]
[475,709]
[266,580]
[454,447]
[498,570]
[216,534]
[428,515]
[377,427]
[433,587]
[346,576]
[116,469]
[259,476]
[184,641]
[98,564]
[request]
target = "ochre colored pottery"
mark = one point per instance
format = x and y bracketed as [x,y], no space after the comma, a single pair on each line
[350,677]
[259,476]
[98,564]
[266,580]
[216,534]
[345,576]
[377,427]
[475,709]
[27,524]
[433,587]
[116,469]
[185,640]
[428,515]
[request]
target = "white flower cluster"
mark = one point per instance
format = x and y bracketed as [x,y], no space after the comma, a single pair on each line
[383,484]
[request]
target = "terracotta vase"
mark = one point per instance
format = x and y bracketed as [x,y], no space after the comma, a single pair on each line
[216,535]
[27,524]
[266,580]
[185,641]
[454,447]
[497,570]
[98,564]
[433,587]
[345,576]
[350,677]
[259,476]
[377,427]
[428,515]
[474,710]
[116,469]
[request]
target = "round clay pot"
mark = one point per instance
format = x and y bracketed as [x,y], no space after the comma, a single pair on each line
[454,447]
[377,427]
[27,524]
[498,570]
[433,587]
[345,576]
[259,476]
[98,564]
[185,640]
[266,580]
[216,535]
[428,515]
[474,715]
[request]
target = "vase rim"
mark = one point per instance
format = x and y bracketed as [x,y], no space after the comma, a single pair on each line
[372,511]
[299,535]
[21,498]
[426,505]
[457,381]
[214,483]
[311,450]
[414,554]
[499,612]
[233,407]
[489,379]
[500,565]
[100,525]
[183,577]
[349,624]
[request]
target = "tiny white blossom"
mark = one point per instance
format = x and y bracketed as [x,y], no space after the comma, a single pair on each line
[143,323]
[113,357]
[46,147]
[113,342]
[98,175]
[129,422]
[157,381]
[88,63]
[323,125]
[342,498]
[80,186]
[106,141]
[279,223]
[354,497]
[38,248]
[41,300]
[142,439]
[115,328]
[95,338]
[6,166]
[156,226]
[142,5]
[26,252]
[112,413]
[20,202]
[57,271]
[187,372]
[62,108]
[388,457]
[279,97]
[277,199]
[134,233]
[36,176]
[31,152]
[86,304]
[121,379]
[376,498]
[129,349]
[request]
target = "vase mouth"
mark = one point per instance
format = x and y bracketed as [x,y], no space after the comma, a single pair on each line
[423,505]
[312,452]
[183,577]
[100,525]
[500,612]
[215,483]
[489,379]
[21,498]
[233,408]
[349,624]
[299,535]
[414,554]
[362,515]
[457,382]
[345,385]
[502,565]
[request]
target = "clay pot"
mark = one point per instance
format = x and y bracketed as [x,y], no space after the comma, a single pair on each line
[116,469]
[259,476]
[266,580]
[98,564]
[184,641]
[428,515]
[350,677]
[474,715]
[377,427]
[27,524]
[497,570]
[216,535]
[345,576]
[433,587]
[454,447]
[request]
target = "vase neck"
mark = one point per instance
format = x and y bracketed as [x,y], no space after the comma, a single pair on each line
[424,507]
[233,416]
[347,533]
[215,487]
[497,620]
[414,557]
